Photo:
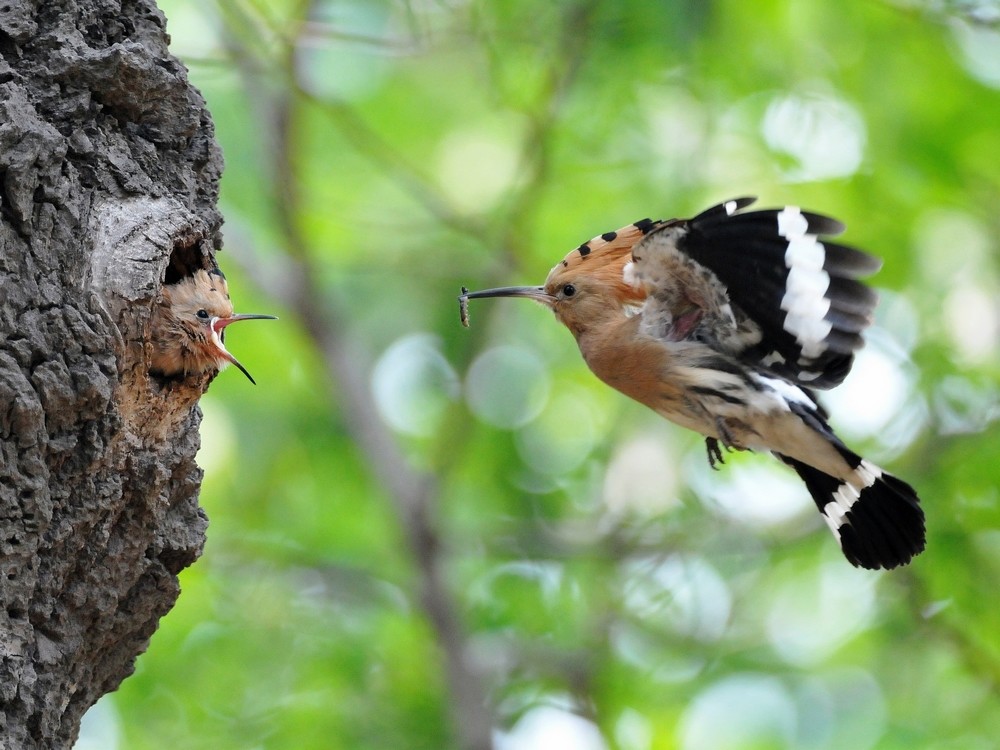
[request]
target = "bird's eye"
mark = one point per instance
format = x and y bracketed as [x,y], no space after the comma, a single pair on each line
[203,314]
[569,290]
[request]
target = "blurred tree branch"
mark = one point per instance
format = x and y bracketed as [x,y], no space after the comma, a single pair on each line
[672,98]
[413,493]
[282,69]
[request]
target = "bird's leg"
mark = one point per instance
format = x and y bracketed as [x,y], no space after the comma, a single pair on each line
[727,440]
[724,434]
[714,453]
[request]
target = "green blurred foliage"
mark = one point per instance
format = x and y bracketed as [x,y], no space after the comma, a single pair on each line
[612,592]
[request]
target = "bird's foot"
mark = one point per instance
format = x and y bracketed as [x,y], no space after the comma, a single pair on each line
[714,453]
[725,439]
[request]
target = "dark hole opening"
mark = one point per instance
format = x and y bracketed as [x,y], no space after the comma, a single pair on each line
[191,253]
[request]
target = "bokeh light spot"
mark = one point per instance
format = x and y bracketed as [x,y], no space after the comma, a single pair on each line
[549,727]
[477,168]
[759,493]
[741,711]
[686,592]
[872,394]
[814,611]
[825,136]
[561,438]
[979,50]
[413,383]
[218,437]
[642,476]
[507,386]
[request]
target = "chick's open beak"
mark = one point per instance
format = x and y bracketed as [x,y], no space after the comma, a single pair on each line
[218,336]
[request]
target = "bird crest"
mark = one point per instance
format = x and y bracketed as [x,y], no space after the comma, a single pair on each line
[604,259]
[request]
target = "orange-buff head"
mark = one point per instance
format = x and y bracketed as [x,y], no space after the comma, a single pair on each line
[188,327]
[587,285]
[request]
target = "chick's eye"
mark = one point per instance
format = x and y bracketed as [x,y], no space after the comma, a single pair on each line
[569,290]
[203,314]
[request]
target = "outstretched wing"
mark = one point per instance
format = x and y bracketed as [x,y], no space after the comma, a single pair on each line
[684,299]
[797,308]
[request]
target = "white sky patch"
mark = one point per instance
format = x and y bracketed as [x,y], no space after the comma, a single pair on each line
[815,611]
[854,708]
[979,49]
[325,46]
[218,437]
[740,711]
[965,406]
[760,493]
[966,281]
[686,592]
[413,383]
[935,235]
[636,646]
[633,731]
[872,394]
[642,476]
[193,33]
[823,134]
[897,324]
[972,320]
[549,728]
[101,727]
[507,386]
[677,123]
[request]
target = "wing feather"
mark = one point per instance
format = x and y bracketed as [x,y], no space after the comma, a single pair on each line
[797,307]
[684,299]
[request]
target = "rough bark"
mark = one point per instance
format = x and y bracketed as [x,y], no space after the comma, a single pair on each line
[109,183]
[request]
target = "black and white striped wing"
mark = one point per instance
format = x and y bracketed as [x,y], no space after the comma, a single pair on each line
[800,290]
[684,299]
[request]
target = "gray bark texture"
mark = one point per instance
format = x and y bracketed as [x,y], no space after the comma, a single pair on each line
[108,184]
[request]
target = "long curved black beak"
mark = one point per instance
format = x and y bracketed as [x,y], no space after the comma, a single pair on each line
[219,325]
[536,293]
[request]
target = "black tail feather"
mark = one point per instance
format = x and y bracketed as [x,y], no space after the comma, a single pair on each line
[882,528]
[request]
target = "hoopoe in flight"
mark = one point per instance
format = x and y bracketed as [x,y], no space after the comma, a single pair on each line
[188,326]
[723,324]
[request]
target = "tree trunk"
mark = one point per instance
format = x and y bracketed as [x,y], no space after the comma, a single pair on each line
[109,184]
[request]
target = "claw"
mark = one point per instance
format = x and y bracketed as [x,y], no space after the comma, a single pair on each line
[724,434]
[714,453]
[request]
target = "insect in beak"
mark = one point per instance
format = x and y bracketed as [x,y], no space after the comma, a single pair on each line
[536,293]
[218,326]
